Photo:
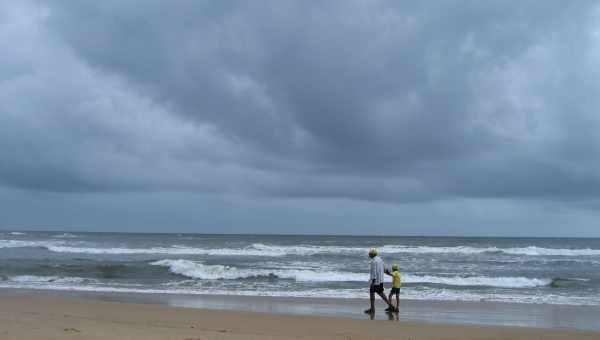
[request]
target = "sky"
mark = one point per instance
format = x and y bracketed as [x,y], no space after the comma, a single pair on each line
[332,117]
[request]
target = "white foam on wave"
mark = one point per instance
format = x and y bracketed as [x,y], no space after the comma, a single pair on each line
[198,270]
[174,250]
[400,249]
[406,293]
[538,251]
[484,281]
[259,249]
[305,249]
[23,244]
[63,247]
[16,233]
[33,279]
[530,251]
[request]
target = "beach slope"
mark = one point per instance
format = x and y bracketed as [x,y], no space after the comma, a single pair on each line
[44,317]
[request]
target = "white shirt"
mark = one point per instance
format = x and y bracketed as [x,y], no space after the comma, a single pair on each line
[376,270]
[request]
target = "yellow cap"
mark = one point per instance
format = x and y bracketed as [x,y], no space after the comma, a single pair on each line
[395,266]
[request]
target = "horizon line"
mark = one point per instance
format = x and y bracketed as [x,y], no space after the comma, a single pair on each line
[290,234]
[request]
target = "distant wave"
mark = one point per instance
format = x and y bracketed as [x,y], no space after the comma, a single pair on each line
[531,250]
[62,247]
[174,250]
[23,244]
[197,270]
[65,235]
[259,249]
[397,249]
[16,233]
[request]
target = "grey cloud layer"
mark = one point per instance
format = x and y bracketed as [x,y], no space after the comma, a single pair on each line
[382,101]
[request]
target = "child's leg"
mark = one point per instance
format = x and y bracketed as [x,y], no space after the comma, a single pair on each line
[397,300]
[390,298]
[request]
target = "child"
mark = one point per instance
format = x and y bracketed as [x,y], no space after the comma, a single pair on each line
[396,283]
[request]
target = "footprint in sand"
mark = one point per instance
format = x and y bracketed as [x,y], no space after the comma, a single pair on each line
[72,330]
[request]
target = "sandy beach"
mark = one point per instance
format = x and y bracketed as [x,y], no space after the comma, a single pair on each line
[50,317]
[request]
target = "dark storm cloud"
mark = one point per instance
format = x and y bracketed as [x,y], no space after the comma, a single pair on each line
[382,101]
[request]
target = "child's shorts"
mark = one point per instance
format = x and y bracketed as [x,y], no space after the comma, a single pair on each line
[395,291]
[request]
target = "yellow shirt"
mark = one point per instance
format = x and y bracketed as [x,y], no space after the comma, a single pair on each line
[396,279]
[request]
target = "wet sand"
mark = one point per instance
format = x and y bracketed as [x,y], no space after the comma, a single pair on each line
[450,312]
[53,317]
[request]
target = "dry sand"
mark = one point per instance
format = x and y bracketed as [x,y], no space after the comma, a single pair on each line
[44,317]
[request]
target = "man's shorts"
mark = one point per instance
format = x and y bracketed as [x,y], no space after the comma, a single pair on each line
[377,288]
[395,291]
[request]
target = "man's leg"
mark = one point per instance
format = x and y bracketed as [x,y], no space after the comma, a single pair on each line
[384,298]
[372,298]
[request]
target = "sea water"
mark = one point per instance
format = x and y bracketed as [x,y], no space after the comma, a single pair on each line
[522,270]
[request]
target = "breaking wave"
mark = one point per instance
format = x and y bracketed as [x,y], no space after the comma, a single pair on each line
[398,249]
[259,249]
[197,270]
[428,295]
[530,251]
[32,279]
[23,244]
[174,250]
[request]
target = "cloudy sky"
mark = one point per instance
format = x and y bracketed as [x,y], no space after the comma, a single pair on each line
[355,117]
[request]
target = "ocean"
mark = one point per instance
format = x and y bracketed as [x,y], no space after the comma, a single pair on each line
[520,270]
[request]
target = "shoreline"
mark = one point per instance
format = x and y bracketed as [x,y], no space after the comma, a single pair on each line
[484,313]
[52,317]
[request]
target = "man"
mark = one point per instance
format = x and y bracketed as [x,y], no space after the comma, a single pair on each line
[376,280]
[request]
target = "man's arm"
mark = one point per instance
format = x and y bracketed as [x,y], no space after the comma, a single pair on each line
[379,271]
[373,273]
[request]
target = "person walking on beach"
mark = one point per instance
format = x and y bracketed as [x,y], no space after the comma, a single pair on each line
[376,281]
[396,283]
